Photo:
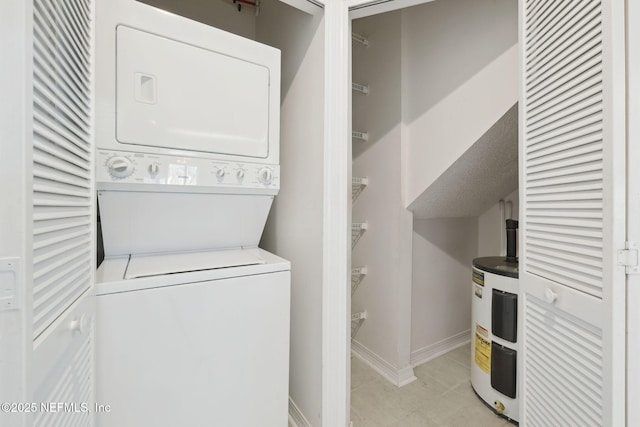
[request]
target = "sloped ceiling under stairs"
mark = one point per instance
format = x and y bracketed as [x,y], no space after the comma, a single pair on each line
[484,174]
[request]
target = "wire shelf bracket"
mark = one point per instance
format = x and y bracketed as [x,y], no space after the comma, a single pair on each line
[361,315]
[357,319]
[360,39]
[357,185]
[364,136]
[357,276]
[360,88]
[357,230]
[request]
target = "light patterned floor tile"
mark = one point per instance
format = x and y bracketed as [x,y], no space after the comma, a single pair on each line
[416,419]
[461,355]
[361,373]
[445,371]
[442,397]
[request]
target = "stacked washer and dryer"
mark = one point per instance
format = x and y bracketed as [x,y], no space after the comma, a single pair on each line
[192,316]
[494,317]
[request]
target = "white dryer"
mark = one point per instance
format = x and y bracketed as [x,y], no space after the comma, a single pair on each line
[192,317]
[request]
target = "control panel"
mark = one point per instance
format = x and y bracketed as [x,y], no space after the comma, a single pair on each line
[120,167]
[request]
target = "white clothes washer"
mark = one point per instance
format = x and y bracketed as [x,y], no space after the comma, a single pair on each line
[193,339]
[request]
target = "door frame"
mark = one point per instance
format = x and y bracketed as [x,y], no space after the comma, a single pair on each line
[633,209]
[16,345]
[336,300]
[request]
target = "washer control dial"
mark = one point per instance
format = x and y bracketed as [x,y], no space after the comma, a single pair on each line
[240,175]
[220,173]
[120,166]
[154,169]
[265,176]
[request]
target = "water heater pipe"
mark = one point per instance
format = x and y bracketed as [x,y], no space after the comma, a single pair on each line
[512,227]
[503,244]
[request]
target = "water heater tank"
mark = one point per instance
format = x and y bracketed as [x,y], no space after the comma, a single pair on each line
[494,327]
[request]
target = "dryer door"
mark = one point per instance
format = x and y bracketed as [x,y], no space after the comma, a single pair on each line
[175,95]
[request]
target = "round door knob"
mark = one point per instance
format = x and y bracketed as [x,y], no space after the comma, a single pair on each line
[79,324]
[550,295]
[220,174]
[265,176]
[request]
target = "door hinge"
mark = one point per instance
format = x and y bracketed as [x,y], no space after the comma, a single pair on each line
[9,291]
[629,257]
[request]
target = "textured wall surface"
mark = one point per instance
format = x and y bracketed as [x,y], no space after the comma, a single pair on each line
[488,169]
[491,230]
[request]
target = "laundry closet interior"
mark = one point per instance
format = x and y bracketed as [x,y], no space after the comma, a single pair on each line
[435,172]
[297,208]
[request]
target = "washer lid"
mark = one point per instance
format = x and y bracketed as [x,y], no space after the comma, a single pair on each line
[110,276]
[156,265]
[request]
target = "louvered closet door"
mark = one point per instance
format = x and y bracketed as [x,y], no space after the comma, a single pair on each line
[63,210]
[571,364]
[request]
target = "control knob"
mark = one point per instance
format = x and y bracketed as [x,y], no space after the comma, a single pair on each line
[120,166]
[265,176]
[220,174]
[240,175]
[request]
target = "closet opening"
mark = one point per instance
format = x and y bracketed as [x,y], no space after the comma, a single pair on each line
[434,177]
[293,229]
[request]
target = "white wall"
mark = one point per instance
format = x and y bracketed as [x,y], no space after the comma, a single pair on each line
[294,229]
[461,66]
[490,228]
[385,247]
[441,306]
[219,14]
[443,250]
[460,73]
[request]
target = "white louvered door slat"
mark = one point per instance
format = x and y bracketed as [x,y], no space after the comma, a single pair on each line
[69,381]
[544,205]
[63,213]
[554,359]
[571,362]
[62,159]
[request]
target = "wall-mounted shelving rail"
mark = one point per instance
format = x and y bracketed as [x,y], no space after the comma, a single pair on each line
[360,39]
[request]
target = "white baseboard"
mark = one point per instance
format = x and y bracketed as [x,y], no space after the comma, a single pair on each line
[395,376]
[424,354]
[296,417]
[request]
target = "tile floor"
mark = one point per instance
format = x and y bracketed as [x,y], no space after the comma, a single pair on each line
[440,397]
